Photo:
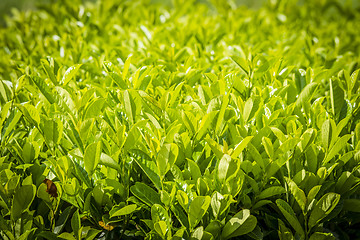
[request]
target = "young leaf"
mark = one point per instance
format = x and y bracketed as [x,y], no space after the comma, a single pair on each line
[198,208]
[92,157]
[241,146]
[70,73]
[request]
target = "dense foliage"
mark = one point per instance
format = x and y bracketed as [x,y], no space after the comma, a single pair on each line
[180,120]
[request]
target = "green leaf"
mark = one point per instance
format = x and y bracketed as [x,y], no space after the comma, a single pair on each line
[322,236]
[194,170]
[30,112]
[323,208]
[44,88]
[147,165]
[30,151]
[116,211]
[126,66]
[93,110]
[241,146]
[166,157]
[92,157]
[22,200]
[53,131]
[10,124]
[242,63]
[161,228]
[205,124]
[108,161]
[62,220]
[328,129]
[337,147]
[284,232]
[76,224]
[118,80]
[311,195]
[336,97]
[198,233]
[271,191]
[130,106]
[180,215]
[158,213]
[198,208]
[240,224]
[224,167]
[220,118]
[298,194]
[145,193]
[220,204]
[354,81]
[70,73]
[306,93]
[352,205]
[268,147]
[49,71]
[290,216]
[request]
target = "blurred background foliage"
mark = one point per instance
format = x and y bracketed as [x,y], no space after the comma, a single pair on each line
[7,5]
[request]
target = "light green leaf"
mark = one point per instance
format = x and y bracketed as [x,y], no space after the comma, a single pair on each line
[242,63]
[194,169]
[220,118]
[92,157]
[126,66]
[130,106]
[49,71]
[198,208]
[240,224]
[158,213]
[53,131]
[205,124]
[166,157]
[224,167]
[116,211]
[108,161]
[306,94]
[70,73]
[241,146]
[268,147]
[161,228]
[93,110]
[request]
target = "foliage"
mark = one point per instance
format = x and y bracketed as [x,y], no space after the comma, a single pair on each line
[180,120]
